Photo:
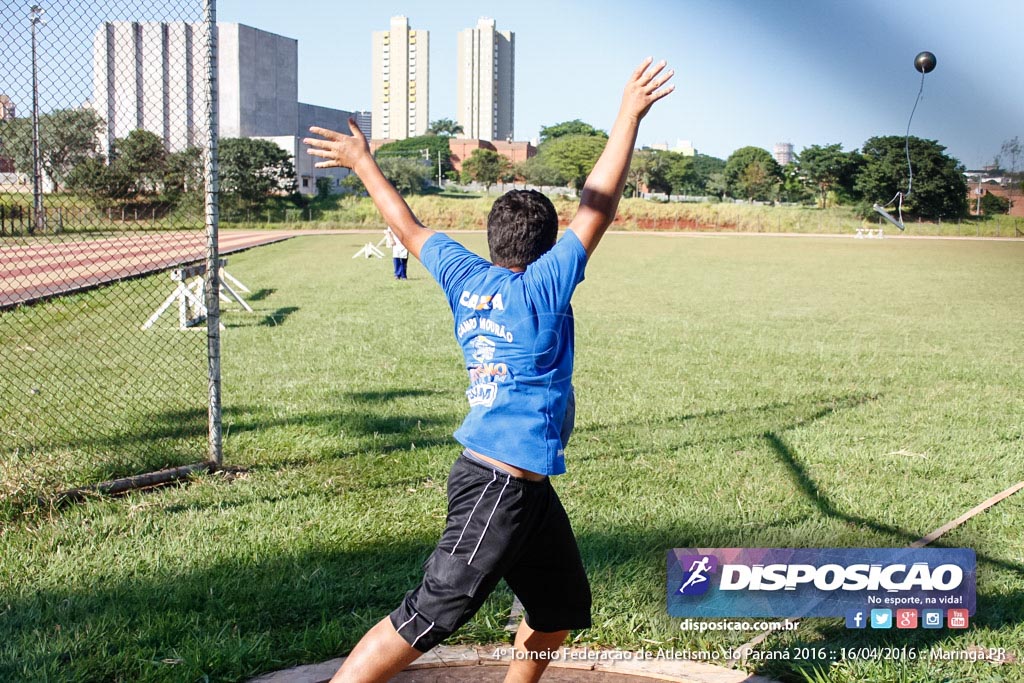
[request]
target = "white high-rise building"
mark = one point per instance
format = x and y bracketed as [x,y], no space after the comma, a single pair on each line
[783,153]
[401,81]
[152,76]
[486,82]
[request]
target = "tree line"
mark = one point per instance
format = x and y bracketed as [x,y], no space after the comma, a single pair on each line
[138,168]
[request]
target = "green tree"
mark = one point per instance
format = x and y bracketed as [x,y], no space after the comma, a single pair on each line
[66,138]
[426,147]
[353,184]
[717,185]
[658,171]
[1011,151]
[567,128]
[703,168]
[538,170]
[993,204]
[644,171]
[757,182]
[572,156]
[485,166]
[183,172]
[103,184]
[251,171]
[679,173]
[751,173]
[829,168]
[141,155]
[409,176]
[445,128]
[795,186]
[939,189]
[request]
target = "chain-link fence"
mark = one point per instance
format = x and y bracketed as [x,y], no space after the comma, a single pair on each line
[107,187]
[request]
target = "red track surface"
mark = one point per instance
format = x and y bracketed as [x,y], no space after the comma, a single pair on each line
[31,272]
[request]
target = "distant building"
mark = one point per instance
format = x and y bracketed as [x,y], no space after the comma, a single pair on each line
[7,110]
[7,113]
[685,147]
[514,151]
[783,153]
[989,180]
[486,82]
[401,81]
[151,76]
[364,120]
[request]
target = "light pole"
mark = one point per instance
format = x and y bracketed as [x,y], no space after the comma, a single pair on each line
[35,14]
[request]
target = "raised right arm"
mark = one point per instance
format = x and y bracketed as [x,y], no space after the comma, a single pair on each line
[352,151]
[603,189]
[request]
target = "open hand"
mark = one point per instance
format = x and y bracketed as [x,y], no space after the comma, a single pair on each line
[644,88]
[339,149]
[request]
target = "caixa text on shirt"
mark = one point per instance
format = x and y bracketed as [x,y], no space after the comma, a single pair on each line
[481,302]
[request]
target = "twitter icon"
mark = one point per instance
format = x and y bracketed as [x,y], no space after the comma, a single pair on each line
[881,618]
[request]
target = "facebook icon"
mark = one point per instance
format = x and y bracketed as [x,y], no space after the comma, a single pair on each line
[855,618]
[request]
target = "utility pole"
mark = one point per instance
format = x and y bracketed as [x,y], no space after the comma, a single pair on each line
[35,14]
[439,168]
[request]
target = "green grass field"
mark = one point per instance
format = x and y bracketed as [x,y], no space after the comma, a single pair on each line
[732,391]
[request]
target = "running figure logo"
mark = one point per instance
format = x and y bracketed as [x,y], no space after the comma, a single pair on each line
[698,568]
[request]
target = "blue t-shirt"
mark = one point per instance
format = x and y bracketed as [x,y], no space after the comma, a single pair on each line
[516,333]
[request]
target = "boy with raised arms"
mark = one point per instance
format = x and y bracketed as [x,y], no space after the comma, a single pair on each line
[514,324]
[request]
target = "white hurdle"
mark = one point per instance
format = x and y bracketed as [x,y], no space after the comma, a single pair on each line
[191,296]
[868,233]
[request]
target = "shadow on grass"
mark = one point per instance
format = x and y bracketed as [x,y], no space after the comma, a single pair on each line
[260,294]
[366,421]
[739,424]
[278,317]
[809,488]
[270,606]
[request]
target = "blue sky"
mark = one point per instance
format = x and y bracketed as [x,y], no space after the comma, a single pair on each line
[748,72]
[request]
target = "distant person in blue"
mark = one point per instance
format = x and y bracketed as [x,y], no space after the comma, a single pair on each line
[399,254]
[515,326]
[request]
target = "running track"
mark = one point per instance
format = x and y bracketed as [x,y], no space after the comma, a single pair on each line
[32,272]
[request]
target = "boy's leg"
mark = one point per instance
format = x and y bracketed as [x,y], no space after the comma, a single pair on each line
[397,264]
[549,579]
[529,669]
[378,656]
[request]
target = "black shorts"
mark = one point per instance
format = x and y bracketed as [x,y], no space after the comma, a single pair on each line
[498,527]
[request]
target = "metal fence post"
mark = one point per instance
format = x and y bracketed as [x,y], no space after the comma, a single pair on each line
[216,452]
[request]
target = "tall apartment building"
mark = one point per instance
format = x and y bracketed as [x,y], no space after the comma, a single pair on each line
[486,82]
[783,153]
[401,81]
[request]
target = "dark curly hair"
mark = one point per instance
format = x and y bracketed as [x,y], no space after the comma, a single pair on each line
[521,227]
